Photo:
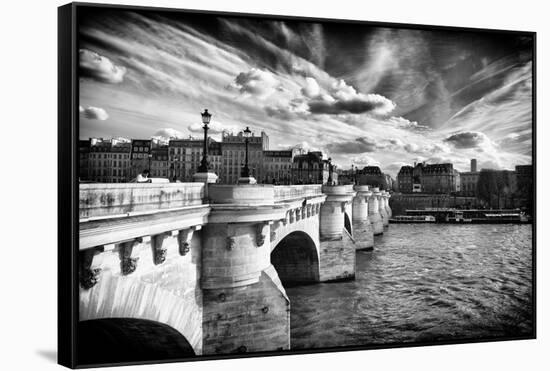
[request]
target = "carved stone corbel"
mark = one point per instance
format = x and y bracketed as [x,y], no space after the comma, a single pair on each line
[273,232]
[159,252]
[291,216]
[308,211]
[184,239]
[88,276]
[260,234]
[128,264]
[285,220]
[343,206]
[298,214]
[303,211]
[230,243]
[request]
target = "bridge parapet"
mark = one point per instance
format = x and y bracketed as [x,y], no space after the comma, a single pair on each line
[123,199]
[287,193]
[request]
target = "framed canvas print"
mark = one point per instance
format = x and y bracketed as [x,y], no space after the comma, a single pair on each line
[235,185]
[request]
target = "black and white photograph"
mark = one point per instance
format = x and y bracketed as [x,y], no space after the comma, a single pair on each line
[256,185]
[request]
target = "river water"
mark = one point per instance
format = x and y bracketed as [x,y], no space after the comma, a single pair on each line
[427,282]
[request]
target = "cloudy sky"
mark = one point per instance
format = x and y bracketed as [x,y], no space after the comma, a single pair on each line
[361,94]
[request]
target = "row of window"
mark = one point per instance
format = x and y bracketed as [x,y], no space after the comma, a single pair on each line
[120,156]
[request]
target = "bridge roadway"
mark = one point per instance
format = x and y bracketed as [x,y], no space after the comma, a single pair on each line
[209,262]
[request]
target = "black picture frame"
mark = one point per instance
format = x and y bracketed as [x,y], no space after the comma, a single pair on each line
[68,187]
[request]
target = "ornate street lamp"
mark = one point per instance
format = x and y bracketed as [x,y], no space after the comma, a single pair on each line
[329,180]
[205,166]
[245,173]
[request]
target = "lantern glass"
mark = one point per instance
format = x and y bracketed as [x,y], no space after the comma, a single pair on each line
[206,117]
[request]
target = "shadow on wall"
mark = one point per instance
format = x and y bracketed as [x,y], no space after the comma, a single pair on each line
[347,223]
[296,260]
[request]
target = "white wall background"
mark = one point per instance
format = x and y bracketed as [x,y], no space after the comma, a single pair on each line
[29,152]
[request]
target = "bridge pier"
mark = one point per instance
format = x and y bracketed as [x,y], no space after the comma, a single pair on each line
[387,204]
[374,212]
[337,246]
[245,307]
[363,232]
[382,209]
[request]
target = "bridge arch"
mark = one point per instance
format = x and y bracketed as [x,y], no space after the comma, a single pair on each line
[296,259]
[134,298]
[110,340]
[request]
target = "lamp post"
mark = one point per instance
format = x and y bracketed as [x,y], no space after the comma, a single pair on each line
[329,180]
[245,173]
[204,166]
[203,173]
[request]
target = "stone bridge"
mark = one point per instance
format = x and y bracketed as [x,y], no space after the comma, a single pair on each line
[203,267]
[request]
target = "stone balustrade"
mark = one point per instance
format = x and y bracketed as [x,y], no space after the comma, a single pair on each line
[108,200]
[292,192]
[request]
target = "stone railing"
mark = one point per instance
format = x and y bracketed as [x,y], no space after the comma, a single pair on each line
[101,200]
[243,194]
[292,192]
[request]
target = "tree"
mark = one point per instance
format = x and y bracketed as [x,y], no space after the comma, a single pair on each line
[491,185]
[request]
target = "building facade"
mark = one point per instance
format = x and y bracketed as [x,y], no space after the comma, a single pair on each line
[439,178]
[233,156]
[311,168]
[468,183]
[140,156]
[108,161]
[405,179]
[185,155]
[373,176]
[278,166]
[428,178]
[160,166]
[83,160]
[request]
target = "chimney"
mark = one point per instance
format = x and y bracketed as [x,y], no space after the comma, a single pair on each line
[473,165]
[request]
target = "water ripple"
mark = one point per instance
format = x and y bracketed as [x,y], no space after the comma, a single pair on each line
[423,283]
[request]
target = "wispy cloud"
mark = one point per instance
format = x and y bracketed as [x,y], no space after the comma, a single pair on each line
[98,67]
[94,113]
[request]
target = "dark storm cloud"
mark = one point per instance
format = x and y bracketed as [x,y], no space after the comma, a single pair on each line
[468,139]
[100,68]
[431,75]
[359,145]
[347,106]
